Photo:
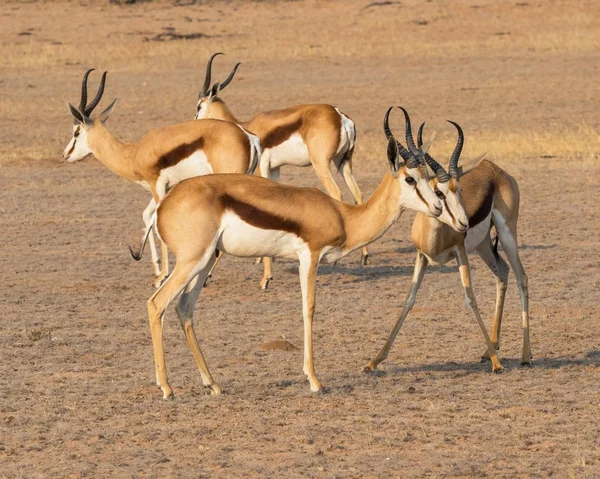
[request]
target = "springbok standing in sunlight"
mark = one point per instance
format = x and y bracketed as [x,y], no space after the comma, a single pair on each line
[480,198]
[250,216]
[162,157]
[300,136]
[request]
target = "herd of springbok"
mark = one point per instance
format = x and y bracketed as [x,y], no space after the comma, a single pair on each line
[206,202]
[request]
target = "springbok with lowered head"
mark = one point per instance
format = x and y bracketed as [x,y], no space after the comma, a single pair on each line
[250,216]
[163,156]
[301,135]
[478,199]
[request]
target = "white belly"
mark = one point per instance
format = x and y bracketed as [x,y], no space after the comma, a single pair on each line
[292,151]
[242,239]
[194,165]
[477,234]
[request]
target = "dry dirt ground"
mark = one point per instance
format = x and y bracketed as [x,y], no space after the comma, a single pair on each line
[77,394]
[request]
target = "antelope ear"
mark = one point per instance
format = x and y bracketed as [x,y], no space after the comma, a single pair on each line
[79,117]
[105,115]
[428,143]
[214,91]
[393,157]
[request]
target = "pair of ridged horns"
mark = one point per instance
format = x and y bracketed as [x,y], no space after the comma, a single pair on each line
[206,87]
[414,150]
[83,106]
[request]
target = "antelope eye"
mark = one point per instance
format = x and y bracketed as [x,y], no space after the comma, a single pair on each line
[440,195]
[410,180]
[76,134]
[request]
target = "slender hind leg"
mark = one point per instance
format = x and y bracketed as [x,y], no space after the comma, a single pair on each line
[185,311]
[499,268]
[308,282]
[147,216]
[465,276]
[508,238]
[157,305]
[346,170]
[418,275]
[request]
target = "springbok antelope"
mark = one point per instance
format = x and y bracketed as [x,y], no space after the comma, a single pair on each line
[490,197]
[300,136]
[163,156]
[250,216]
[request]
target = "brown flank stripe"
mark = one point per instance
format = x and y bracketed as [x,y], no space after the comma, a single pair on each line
[259,218]
[484,208]
[280,134]
[180,153]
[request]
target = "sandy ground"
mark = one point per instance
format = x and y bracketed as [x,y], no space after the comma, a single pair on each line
[77,393]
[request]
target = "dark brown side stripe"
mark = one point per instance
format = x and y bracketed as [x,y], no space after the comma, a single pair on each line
[259,218]
[484,209]
[180,153]
[421,197]
[280,134]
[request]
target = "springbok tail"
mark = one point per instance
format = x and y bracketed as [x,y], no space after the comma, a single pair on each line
[138,255]
[256,152]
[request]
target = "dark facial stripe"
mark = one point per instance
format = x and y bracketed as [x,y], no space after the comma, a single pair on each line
[421,197]
[72,149]
[484,209]
[259,218]
[180,153]
[280,134]
[449,211]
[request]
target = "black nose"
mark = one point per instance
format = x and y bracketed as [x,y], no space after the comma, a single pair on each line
[465,226]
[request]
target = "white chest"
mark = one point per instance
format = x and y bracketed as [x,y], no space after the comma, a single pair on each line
[239,238]
[194,165]
[292,151]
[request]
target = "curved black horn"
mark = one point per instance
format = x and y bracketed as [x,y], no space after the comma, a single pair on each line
[453,166]
[438,169]
[83,102]
[410,142]
[206,85]
[386,124]
[230,77]
[404,153]
[94,103]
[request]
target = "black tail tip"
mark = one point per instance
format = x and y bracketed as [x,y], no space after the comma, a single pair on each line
[134,255]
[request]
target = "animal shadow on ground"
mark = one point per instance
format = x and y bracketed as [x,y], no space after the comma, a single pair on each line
[591,358]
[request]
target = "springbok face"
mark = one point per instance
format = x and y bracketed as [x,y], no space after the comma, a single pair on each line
[78,148]
[411,174]
[446,185]
[208,94]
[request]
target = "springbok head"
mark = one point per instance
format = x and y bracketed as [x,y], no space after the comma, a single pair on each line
[78,148]
[408,169]
[208,94]
[446,185]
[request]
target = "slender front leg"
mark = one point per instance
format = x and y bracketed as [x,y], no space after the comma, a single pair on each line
[218,256]
[309,263]
[465,277]
[273,174]
[500,270]
[418,275]
[161,191]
